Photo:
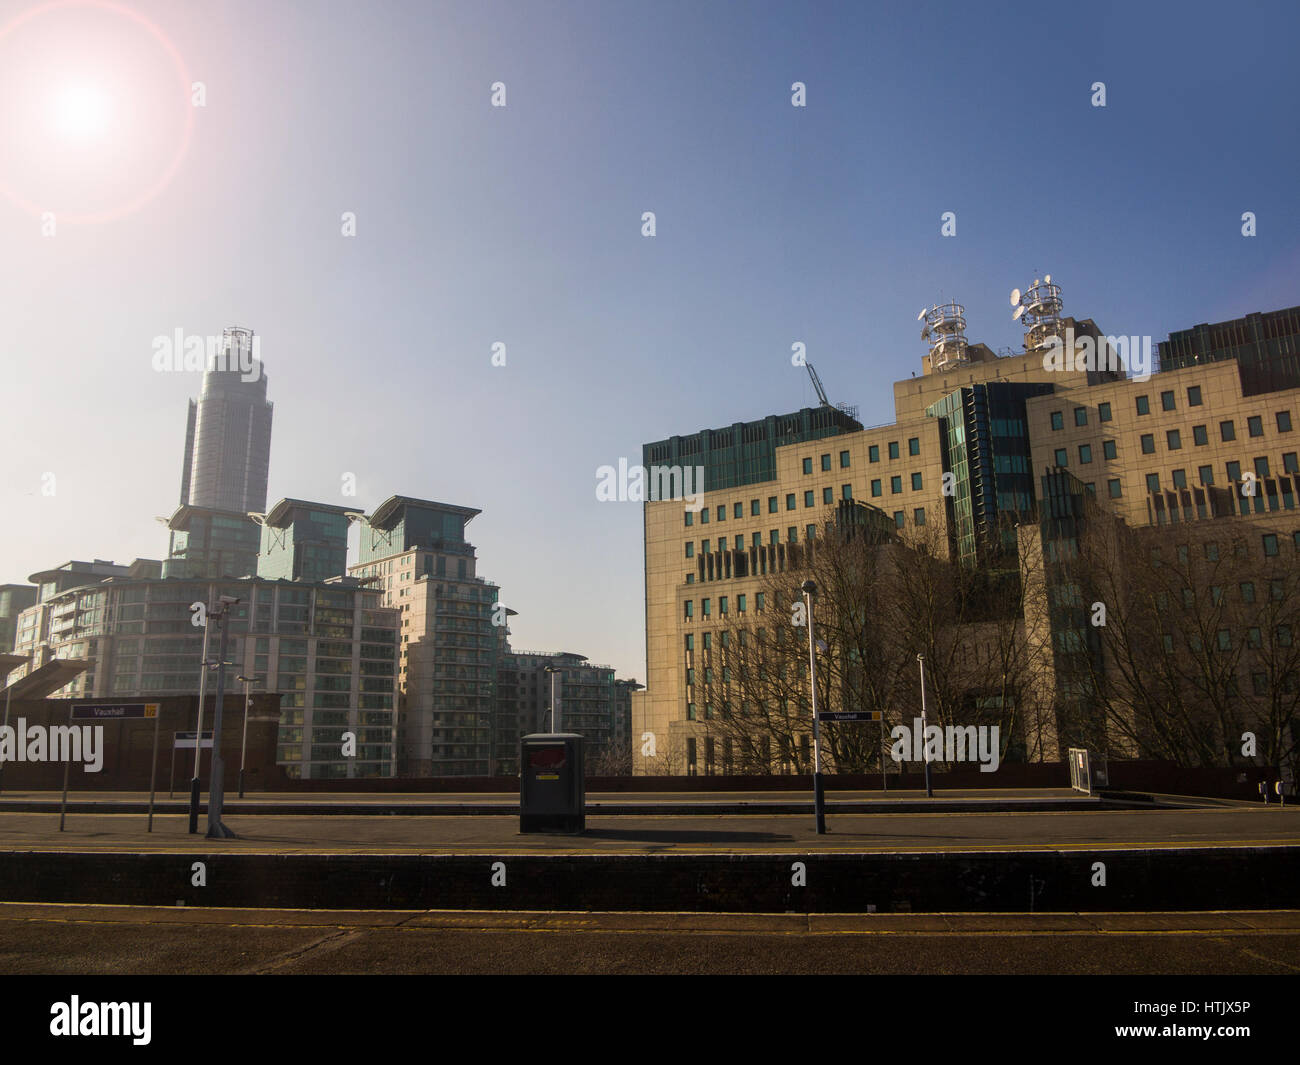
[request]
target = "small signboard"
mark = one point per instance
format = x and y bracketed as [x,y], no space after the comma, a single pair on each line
[113,711]
[850,715]
[185,740]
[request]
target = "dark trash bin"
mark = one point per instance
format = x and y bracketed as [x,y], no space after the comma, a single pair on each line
[552,792]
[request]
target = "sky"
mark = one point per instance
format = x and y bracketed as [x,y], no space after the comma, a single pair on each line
[168,166]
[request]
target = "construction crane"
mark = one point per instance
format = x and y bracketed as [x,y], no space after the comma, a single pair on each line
[851,411]
[817,384]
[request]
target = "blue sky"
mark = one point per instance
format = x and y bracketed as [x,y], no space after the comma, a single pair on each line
[522,225]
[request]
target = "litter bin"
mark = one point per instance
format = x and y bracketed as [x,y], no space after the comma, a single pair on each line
[552,792]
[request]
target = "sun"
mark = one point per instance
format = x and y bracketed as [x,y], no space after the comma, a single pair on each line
[81,112]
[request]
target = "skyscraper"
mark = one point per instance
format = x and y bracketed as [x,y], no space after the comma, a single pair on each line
[228,435]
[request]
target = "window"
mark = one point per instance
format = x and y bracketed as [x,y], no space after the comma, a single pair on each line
[790,501]
[1080,415]
[1225,640]
[1247,592]
[704,515]
[1227,431]
[774,537]
[690,641]
[758,599]
[690,578]
[1284,421]
[722,604]
[873,453]
[1174,440]
[826,462]
[753,508]
[706,607]
[1289,463]
[1058,420]
[704,547]
[1108,449]
[914,445]
[1255,424]
[875,487]
[690,518]
[918,516]
[807,465]
[1194,396]
[916,482]
[828,495]
[846,491]
[844,460]
[756,540]
[893,449]
[1180,478]
[1167,401]
[810,533]
[1085,453]
[771,504]
[792,535]
[1254,638]
[690,711]
[808,498]
[1270,545]
[1091,488]
[898,519]
[1061,457]
[1113,486]
[738,511]
[1200,436]
[722,512]
[690,548]
[740,604]
[1261,467]
[895,485]
[1103,412]
[1212,552]
[1205,474]
[1148,444]
[690,608]
[1143,405]
[1234,472]
[1153,482]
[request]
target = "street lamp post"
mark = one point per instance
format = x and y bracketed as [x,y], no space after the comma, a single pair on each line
[198,735]
[819,795]
[555,716]
[925,746]
[243,743]
[9,690]
[216,787]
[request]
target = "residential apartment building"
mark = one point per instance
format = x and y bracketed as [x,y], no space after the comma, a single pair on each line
[414,553]
[329,648]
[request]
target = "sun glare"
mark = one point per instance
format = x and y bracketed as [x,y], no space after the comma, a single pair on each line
[81,112]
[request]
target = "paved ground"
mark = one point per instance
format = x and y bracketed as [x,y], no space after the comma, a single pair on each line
[1230,825]
[131,940]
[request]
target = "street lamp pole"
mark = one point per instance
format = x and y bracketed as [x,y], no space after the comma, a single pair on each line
[9,690]
[216,787]
[925,746]
[555,716]
[198,735]
[819,794]
[243,743]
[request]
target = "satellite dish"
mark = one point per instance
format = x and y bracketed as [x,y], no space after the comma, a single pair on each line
[1047,278]
[1015,296]
[1035,285]
[925,332]
[1019,311]
[921,315]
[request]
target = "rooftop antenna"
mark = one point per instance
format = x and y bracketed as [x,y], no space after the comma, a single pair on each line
[1040,307]
[945,331]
